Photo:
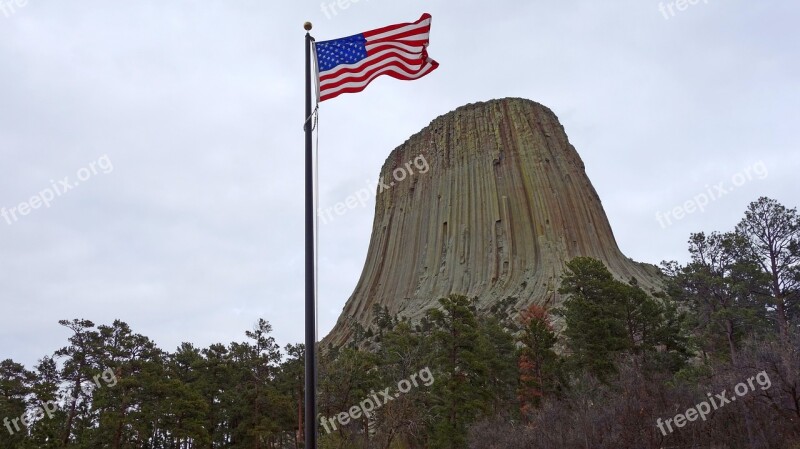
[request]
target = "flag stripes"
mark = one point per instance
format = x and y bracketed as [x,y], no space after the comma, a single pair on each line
[349,64]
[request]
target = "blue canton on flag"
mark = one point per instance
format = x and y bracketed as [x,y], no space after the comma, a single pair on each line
[347,50]
[349,64]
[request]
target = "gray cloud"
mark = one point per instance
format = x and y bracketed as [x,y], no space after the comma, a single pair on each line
[198,230]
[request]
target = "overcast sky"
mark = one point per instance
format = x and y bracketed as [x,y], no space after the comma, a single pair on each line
[178,126]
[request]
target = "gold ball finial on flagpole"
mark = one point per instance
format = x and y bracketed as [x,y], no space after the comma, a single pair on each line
[307,26]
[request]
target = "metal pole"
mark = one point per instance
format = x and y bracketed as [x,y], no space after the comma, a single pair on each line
[311,335]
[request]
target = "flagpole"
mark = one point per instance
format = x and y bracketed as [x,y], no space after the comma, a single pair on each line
[311,334]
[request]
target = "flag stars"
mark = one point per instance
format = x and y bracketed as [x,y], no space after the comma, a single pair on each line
[347,50]
[346,66]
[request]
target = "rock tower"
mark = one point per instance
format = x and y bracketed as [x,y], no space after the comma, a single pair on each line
[504,204]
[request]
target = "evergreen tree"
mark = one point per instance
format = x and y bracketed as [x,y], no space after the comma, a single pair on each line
[595,329]
[720,288]
[499,352]
[254,393]
[773,232]
[605,318]
[79,365]
[539,365]
[46,431]
[290,382]
[460,393]
[122,391]
[217,390]
[15,386]
[178,408]
[346,377]
[403,353]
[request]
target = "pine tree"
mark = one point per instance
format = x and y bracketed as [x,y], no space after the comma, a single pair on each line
[500,354]
[460,392]
[289,382]
[15,385]
[217,384]
[253,393]
[79,365]
[403,353]
[773,232]
[539,365]
[46,431]
[177,406]
[605,318]
[720,288]
[123,390]
[347,376]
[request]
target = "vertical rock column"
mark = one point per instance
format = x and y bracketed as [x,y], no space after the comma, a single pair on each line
[504,204]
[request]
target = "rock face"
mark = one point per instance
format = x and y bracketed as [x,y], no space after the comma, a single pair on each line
[504,204]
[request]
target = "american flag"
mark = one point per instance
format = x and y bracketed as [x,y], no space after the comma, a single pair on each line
[349,64]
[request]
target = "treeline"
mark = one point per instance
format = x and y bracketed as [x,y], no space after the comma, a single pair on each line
[112,388]
[709,361]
